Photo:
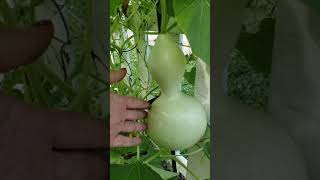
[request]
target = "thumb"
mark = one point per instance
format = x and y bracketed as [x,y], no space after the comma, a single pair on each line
[21,46]
[116,76]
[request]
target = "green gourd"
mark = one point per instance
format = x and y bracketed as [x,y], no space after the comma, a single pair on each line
[175,121]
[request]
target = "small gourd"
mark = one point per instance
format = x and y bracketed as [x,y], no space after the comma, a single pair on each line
[175,121]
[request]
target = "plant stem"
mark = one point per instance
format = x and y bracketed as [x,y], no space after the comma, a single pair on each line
[151,158]
[152,33]
[126,41]
[163,4]
[172,26]
[138,153]
[185,167]
[148,93]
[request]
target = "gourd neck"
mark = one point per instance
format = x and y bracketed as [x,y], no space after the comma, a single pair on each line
[171,95]
[171,91]
[167,65]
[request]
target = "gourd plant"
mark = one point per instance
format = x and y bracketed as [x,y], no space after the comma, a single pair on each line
[71,74]
[177,122]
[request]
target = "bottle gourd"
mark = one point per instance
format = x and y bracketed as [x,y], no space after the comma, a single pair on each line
[175,121]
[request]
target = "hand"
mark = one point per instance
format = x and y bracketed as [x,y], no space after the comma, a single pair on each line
[41,144]
[123,113]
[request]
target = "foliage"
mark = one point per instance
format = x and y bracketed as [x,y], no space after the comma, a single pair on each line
[67,75]
[257,11]
[130,33]
[190,16]
[245,83]
[249,70]
[315,4]
[139,171]
[62,76]
[114,6]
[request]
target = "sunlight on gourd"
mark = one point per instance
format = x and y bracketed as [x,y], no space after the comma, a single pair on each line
[175,121]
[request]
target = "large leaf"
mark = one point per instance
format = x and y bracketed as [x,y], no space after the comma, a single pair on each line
[193,18]
[191,76]
[167,175]
[135,171]
[170,8]
[199,164]
[114,4]
[7,13]
[36,2]
[29,3]
[257,48]
[315,4]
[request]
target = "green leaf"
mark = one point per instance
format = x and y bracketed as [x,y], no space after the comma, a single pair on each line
[315,4]
[55,79]
[193,18]
[173,27]
[116,157]
[114,4]
[191,76]
[36,2]
[29,3]
[163,173]
[10,80]
[7,13]
[257,48]
[135,171]
[36,84]
[170,9]
[199,164]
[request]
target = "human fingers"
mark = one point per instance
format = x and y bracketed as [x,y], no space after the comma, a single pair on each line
[21,46]
[116,76]
[135,103]
[124,141]
[133,127]
[135,114]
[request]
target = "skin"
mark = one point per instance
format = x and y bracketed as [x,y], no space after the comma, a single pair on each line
[124,111]
[47,144]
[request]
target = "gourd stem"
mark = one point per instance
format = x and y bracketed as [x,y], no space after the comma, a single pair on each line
[163,4]
[138,153]
[186,168]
